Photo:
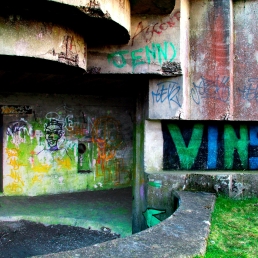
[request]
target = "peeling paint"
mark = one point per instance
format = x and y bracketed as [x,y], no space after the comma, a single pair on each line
[171,68]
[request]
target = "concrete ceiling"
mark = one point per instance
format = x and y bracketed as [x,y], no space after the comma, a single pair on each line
[152,6]
[31,75]
[23,74]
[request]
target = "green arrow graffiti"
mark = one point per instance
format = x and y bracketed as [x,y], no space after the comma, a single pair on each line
[149,215]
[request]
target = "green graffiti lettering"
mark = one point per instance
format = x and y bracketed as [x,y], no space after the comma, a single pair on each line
[152,52]
[136,59]
[155,184]
[232,143]
[150,218]
[156,50]
[118,58]
[162,54]
[186,154]
[174,52]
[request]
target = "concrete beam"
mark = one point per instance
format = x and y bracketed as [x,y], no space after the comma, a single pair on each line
[152,7]
[42,40]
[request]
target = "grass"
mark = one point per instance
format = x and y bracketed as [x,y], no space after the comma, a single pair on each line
[234,229]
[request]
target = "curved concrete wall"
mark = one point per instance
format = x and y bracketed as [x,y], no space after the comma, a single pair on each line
[184,234]
[118,11]
[45,40]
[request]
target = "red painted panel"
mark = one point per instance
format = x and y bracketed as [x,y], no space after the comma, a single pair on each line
[209,44]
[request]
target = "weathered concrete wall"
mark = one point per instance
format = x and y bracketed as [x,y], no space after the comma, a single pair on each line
[44,40]
[160,187]
[184,234]
[201,146]
[165,98]
[245,58]
[210,146]
[60,143]
[118,11]
[210,60]
[219,68]
[155,40]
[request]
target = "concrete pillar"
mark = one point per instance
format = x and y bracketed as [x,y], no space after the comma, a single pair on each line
[139,176]
[210,59]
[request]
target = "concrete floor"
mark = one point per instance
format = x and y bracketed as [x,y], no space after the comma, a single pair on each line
[110,209]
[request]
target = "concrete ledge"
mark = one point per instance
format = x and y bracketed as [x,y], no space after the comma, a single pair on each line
[183,234]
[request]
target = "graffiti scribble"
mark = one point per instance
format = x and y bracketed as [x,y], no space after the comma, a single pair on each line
[167,91]
[106,134]
[18,131]
[68,56]
[148,31]
[250,91]
[211,89]
[16,109]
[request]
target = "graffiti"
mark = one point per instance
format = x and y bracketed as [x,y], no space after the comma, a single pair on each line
[150,218]
[106,135]
[38,135]
[219,146]
[17,184]
[14,188]
[64,163]
[167,91]
[53,132]
[67,56]
[36,179]
[84,128]
[42,168]
[16,110]
[12,153]
[100,185]
[18,131]
[12,158]
[143,55]
[56,153]
[148,31]
[211,89]
[155,183]
[67,121]
[52,153]
[250,91]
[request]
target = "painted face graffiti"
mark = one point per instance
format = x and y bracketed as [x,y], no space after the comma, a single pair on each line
[54,132]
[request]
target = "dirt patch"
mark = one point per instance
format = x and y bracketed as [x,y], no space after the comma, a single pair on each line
[23,238]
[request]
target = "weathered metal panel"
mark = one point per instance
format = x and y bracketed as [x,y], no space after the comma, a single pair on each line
[245,60]
[154,43]
[209,59]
